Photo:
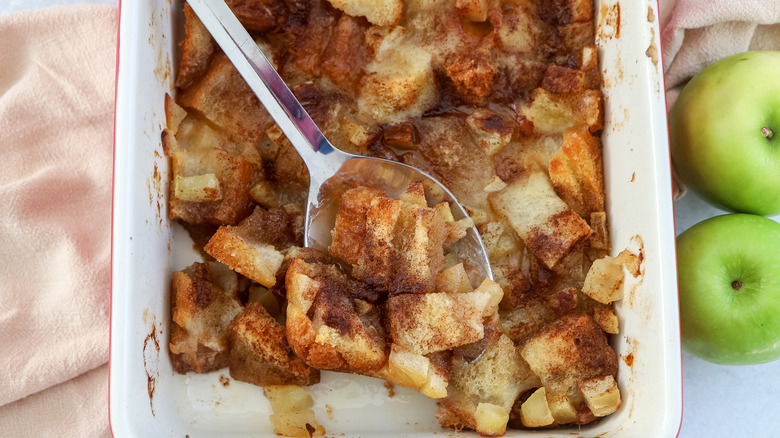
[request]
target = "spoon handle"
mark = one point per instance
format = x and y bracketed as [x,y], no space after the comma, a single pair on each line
[269,87]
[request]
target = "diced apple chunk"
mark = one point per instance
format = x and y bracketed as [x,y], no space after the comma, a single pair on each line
[406,368]
[561,408]
[535,412]
[601,395]
[604,281]
[197,188]
[453,280]
[288,398]
[491,419]
[495,292]
[297,424]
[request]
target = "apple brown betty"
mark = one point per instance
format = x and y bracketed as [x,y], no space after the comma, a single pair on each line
[500,101]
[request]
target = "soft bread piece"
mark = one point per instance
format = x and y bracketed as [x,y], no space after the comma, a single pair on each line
[224,98]
[331,321]
[427,323]
[568,351]
[546,224]
[260,354]
[203,302]
[253,247]
[576,172]
[196,50]
[393,245]
[497,377]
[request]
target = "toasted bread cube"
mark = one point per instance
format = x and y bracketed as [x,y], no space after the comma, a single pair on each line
[545,223]
[575,36]
[473,75]
[260,354]
[296,424]
[562,301]
[203,302]
[601,395]
[520,31]
[576,171]
[453,280]
[561,408]
[349,234]
[198,188]
[330,325]
[224,98]
[379,12]
[566,11]
[399,87]
[599,237]
[535,412]
[256,260]
[394,245]
[567,351]
[253,247]
[288,398]
[491,419]
[196,50]
[553,113]
[604,282]
[233,173]
[426,323]
[559,79]
[490,131]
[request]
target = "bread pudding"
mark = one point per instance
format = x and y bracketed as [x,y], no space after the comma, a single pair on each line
[499,100]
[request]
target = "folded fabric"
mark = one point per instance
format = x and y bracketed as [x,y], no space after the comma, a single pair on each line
[56,126]
[700,32]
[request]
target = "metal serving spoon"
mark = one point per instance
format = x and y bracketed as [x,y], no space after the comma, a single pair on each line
[323,160]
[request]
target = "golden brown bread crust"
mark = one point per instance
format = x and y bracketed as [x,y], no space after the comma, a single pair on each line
[394,245]
[197,48]
[203,301]
[331,321]
[260,354]
[253,247]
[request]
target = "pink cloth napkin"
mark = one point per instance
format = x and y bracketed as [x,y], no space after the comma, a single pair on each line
[697,33]
[57,69]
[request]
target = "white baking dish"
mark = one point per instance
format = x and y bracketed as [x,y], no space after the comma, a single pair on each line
[148,399]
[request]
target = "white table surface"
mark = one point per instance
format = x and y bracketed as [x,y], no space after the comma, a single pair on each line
[718,401]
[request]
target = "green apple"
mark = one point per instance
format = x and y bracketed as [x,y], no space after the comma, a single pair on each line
[729,278]
[725,133]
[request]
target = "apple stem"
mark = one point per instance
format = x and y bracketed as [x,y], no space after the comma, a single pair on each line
[767,133]
[736,285]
